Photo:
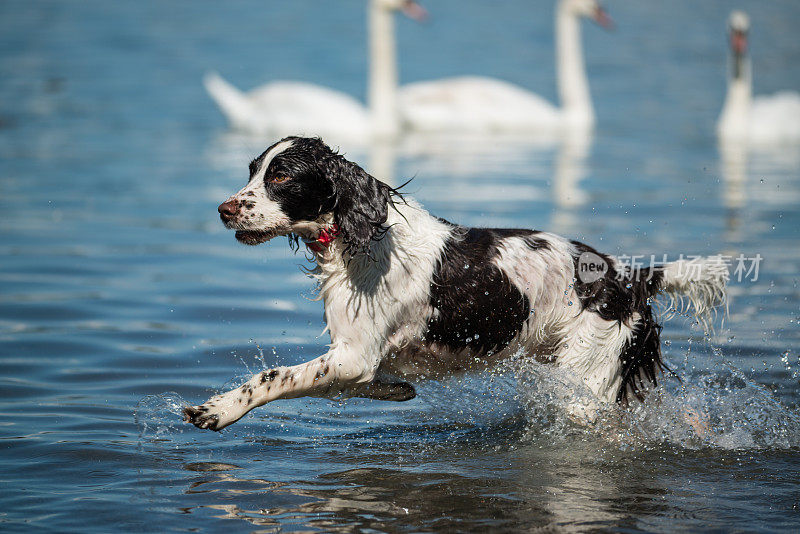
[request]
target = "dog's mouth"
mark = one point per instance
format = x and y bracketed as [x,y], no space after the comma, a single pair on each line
[254,237]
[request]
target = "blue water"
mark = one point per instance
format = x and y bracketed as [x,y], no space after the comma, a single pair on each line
[122,295]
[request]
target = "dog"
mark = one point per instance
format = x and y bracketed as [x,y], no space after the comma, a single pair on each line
[409,296]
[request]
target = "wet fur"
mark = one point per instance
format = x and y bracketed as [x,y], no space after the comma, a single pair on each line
[409,296]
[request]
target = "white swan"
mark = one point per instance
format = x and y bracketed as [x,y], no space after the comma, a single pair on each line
[761,120]
[484,104]
[289,107]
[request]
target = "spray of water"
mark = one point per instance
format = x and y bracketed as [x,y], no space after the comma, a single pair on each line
[712,405]
[719,408]
[159,416]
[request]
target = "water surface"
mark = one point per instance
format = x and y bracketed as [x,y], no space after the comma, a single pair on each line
[122,295]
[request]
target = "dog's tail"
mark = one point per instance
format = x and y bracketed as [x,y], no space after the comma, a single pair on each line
[231,101]
[695,287]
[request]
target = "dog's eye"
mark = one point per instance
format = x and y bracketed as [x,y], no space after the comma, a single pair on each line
[279,179]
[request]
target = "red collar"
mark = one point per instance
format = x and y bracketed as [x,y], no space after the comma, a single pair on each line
[324,239]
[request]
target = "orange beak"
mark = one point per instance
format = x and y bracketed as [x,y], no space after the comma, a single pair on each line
[738,42]
[414,11]
[602,18]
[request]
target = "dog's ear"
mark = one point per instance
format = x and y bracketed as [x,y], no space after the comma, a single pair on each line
[362,204]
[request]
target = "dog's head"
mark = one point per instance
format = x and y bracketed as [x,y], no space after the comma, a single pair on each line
[294,184]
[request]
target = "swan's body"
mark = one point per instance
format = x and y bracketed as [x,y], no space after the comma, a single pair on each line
[761,120]
[482,104]
[775,118]
[288,107]
[473,103]
[285,107]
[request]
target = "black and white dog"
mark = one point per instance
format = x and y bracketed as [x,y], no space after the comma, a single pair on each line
[409,296]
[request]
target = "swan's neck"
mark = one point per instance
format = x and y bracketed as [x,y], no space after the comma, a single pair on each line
[381,92]
[735,118]
[573,87]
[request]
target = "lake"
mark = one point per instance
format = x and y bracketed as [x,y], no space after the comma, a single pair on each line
[123,296]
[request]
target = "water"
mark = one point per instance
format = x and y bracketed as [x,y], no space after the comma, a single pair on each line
[123,296]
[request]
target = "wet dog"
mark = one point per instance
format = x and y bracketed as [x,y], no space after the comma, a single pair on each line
[410,296]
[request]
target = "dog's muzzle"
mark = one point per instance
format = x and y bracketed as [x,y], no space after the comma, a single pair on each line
[228,210]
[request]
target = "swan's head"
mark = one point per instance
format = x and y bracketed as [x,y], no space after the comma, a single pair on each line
[591,9]
[409,8]
[738,27]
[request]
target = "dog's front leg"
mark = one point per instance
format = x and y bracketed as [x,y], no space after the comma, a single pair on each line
[324,376]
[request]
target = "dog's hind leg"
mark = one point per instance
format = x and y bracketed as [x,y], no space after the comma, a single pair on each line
[387,391]
[591,350]
[325,376]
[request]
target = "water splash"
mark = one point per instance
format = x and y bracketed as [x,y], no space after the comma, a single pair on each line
[718,408]
[160,417]
[722,409]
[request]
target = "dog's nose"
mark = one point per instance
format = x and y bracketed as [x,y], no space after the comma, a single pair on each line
[228,210]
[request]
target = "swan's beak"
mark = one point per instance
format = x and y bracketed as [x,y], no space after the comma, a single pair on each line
[738,42]
[414,11]
[602,18]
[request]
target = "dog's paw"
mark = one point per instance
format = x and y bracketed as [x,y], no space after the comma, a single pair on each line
[387,391]
[400,392]
[218,411]
[201,417]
